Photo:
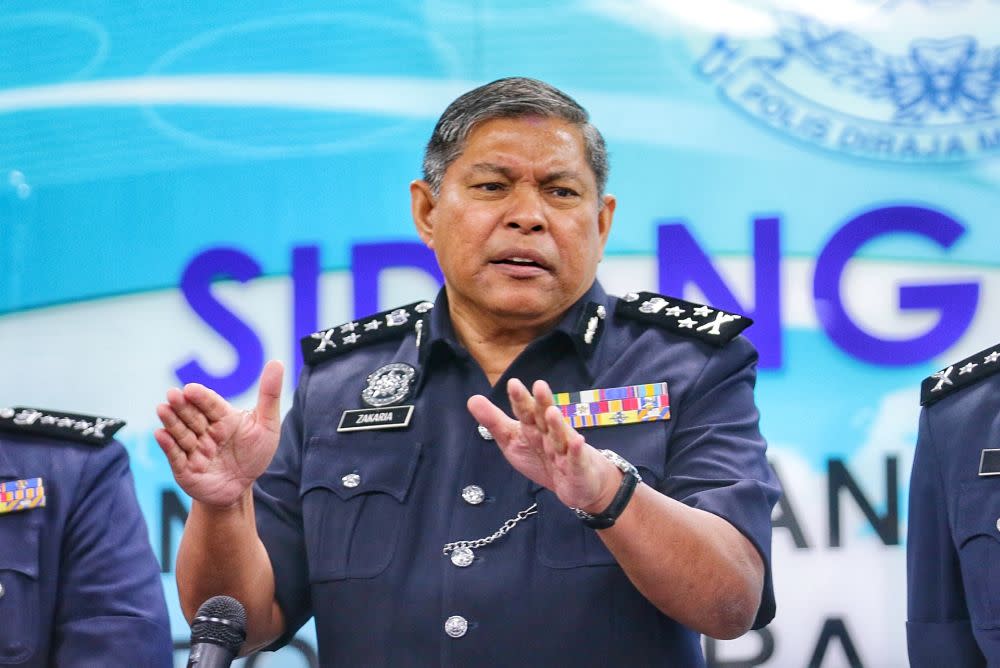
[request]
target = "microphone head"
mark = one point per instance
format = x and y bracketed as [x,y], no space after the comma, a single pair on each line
[221,620]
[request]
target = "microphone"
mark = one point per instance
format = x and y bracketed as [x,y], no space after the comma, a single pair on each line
[217,633]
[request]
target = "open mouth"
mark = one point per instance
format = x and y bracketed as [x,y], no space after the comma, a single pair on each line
[519,262]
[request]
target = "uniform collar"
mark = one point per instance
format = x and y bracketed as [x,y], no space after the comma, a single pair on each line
[583,323]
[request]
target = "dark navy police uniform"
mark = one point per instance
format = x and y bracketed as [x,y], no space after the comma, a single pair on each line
[79,585]
[355,520]
[953,547]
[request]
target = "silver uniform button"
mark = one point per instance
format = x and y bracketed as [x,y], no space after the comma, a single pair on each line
[456,626]
[998,524]
[485,433]
[473,495]
[2,590]
[462,557]
[351,480]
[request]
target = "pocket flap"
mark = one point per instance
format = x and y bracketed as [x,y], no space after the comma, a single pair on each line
[373,462]
[978,510]
[21,539]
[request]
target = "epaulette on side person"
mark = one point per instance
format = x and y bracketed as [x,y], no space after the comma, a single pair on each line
[91,429]
[685,318]
[329,343]
[960,375]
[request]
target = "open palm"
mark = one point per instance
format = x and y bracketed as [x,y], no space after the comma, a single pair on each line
[215,451]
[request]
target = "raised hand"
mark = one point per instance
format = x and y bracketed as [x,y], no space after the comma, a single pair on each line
[215,451]
[540,445]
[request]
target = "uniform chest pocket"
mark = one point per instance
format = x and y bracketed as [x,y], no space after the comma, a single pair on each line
[563,541]
[19,581]
[977,535]
[354,492]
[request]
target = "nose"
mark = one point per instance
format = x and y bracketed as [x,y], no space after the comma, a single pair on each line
[526,210]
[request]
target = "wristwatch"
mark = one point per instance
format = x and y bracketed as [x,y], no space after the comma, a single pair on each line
[631,478]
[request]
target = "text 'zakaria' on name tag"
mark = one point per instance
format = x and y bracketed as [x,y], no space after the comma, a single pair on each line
[388,417]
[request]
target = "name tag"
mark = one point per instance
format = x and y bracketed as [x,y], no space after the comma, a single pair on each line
[989,463]
[389,417]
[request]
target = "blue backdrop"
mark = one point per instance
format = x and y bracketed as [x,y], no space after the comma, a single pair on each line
[186,188]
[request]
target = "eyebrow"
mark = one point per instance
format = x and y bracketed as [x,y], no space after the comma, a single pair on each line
[507,173]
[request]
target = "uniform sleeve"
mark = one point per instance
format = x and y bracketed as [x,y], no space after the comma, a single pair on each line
[279,520]
[938,629]
[716,460]
[111,609]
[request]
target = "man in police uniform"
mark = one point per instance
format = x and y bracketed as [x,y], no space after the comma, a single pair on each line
[458,482]
[953,547]
[79,585]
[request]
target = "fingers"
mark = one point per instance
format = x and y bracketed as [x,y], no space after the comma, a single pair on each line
[188,413]
[487,414]
[207,402]
[550,420]
[543,399]
[522,404]
[180,434]
[175,454]
[562,439]
[269,395]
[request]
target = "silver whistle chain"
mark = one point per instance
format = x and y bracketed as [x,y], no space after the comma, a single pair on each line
[466,546]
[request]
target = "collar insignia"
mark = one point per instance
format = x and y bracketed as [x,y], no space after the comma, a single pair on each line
[590,326]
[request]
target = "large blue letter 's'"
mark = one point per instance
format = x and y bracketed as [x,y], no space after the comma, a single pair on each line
[196,284]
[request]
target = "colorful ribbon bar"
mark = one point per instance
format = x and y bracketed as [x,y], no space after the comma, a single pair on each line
[615,405]
[627,392]
[17,495]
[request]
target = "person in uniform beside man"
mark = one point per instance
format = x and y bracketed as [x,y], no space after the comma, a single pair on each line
[526,471]
[79,584]
[953,544]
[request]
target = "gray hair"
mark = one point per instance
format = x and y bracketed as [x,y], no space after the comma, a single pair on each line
[513,97]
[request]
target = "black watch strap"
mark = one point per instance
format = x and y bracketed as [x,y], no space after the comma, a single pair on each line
[630,479]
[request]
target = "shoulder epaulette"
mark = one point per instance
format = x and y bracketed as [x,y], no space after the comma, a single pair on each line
[59,424]
[960,374]
[685,318]
[327,343]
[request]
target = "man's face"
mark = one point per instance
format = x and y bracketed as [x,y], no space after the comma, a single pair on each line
[518,227]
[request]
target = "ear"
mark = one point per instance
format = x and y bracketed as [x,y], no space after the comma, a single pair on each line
[604,218]
[422,203]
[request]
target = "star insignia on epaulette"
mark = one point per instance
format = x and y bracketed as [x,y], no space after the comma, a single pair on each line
[327,343]
[959,375]
[90,429]
[685,318]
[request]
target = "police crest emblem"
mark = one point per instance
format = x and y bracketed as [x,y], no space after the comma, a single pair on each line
[899,81]
[388,384]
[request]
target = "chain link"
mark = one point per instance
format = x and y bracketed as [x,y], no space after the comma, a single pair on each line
[501,532]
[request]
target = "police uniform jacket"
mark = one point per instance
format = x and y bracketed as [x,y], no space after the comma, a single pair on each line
[953,546]
[79,585]
[355,521]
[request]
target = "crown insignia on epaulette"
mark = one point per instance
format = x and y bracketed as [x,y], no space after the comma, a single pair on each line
[961,374]
[70,426]
[327,343]
[685,318]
